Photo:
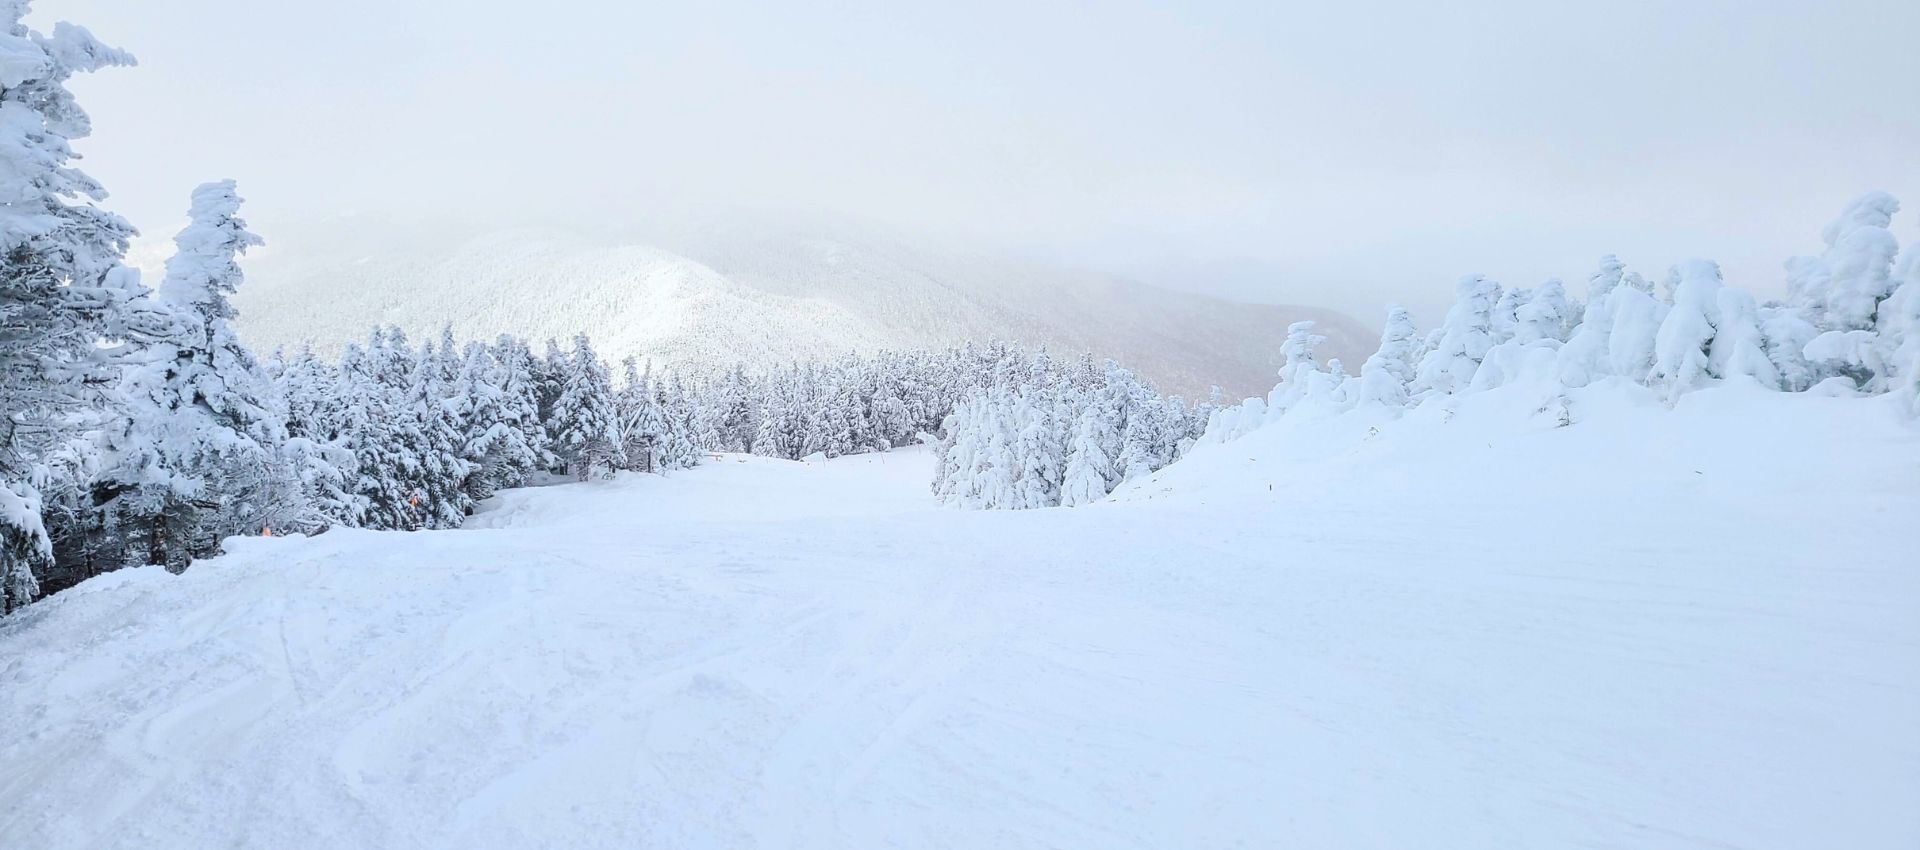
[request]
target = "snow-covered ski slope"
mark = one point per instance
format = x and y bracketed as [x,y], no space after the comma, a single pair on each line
[1688,628]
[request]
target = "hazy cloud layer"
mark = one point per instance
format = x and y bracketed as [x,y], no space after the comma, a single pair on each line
[1333,153]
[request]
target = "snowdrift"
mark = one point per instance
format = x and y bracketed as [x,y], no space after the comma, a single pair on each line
[1732,449]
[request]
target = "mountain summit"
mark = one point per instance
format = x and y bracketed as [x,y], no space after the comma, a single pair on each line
[710,296]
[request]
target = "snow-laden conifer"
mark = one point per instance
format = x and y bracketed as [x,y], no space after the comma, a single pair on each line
[1463,339]
[585,420]
[1084,480]
[1739,349]
[58,291]
[1680,361]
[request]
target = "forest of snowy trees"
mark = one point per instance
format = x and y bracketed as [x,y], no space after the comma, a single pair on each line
[421,434]
[139,430]
[1850,323]
[1048,437]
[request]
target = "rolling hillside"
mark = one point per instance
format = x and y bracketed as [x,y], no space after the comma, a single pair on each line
[708,296]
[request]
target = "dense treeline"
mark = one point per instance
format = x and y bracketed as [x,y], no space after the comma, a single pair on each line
[419,435]
[1049,436]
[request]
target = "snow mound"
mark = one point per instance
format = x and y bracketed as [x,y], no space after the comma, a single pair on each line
[1509,447]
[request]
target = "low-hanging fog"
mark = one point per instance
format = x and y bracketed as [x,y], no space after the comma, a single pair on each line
[1331,154]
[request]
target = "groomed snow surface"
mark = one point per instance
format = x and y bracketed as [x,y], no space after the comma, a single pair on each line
[1688,628]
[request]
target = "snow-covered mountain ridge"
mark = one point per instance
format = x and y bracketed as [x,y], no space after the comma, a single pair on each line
[703,298]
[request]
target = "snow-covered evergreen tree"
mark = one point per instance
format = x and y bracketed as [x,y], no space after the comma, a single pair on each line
[1857,267]
[1844,289]
[441,496]
[1297,352]
[391,358]
[682,414]
[891,423]
[1464,338]
[325,473]
[953,458]
[1785,332]
[1636,319]
[492,408]
[1738,349]
[586,429]
[308,388]
[1297,365]
[991,484]
[1037,454]
[767,441]
[58,255]
[1137,450]
[520,398]
[732,415]
[1680,361]
[1386,375]
[640,423]
[1084,481]
[199,455]
[24,546]
[1585,358]
[1504,323]
[1547,315]
[373,424]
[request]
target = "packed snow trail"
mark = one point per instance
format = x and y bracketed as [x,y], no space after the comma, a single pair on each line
[1688,628]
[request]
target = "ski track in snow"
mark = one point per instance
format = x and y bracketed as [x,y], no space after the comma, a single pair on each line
[1559,652]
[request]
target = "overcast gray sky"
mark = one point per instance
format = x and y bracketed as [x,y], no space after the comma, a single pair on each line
[1339,153]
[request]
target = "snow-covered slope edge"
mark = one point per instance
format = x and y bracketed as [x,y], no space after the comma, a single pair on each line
[1736,448]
